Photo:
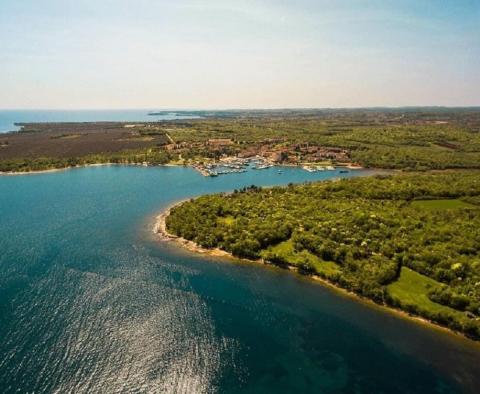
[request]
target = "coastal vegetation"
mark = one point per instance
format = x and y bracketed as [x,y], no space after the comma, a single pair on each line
[407,139]
[411,240]
[139,156]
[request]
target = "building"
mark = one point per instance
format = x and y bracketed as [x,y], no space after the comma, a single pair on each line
[218,142]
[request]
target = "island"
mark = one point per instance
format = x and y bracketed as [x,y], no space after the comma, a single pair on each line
[410,241]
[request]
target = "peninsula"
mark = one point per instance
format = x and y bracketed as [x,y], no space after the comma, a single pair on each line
[409,241]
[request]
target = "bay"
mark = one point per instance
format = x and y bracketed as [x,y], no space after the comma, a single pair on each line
[92,302]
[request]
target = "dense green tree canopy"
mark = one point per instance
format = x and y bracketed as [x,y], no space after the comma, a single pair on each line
[369,235]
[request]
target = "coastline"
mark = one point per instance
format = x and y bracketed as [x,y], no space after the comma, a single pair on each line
[160,230]
[349,166]
[15,173]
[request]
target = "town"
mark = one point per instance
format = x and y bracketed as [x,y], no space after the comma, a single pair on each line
[219,156]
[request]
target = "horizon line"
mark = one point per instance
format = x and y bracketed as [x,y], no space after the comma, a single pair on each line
[476,106]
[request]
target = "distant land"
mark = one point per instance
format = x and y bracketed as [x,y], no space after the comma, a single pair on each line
[227,113]
[396,138]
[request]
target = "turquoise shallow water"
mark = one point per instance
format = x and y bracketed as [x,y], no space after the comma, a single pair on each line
[92,301]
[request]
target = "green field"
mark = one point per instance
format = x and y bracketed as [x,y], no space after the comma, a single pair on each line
[411,289]
[286,252]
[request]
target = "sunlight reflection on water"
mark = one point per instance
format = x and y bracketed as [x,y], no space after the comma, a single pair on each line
[90,303]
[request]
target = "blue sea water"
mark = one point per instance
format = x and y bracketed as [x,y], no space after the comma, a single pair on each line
[92,302]
[8,118]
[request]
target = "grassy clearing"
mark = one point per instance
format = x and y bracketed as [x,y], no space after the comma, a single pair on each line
[441,204]
[412,288]
[286,251]
[326,268]
[228,220]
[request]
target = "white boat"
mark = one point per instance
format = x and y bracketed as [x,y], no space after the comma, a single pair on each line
[263,166]
[330,168]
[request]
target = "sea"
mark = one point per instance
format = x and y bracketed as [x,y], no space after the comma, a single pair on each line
[8,118]
[92,301]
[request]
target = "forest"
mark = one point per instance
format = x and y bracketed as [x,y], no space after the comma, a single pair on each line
[409,240]
[134,157]
[373,142]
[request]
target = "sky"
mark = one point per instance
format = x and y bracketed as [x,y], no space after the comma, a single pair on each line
[192,54]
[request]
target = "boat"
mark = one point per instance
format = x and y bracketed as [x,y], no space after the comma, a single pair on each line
[262,166]
[330,168]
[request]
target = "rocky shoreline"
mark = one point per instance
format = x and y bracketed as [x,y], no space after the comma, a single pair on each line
[160,229]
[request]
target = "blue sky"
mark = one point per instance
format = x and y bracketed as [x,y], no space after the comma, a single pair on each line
[238,54]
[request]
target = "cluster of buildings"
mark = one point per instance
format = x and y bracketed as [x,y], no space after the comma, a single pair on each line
[297,153]
[212,144]
[275,151]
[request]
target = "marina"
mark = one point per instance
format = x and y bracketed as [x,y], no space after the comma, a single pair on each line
[233,165]
[313,168]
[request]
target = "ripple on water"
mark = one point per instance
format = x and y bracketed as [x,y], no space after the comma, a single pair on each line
[89,305]
[116,333]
